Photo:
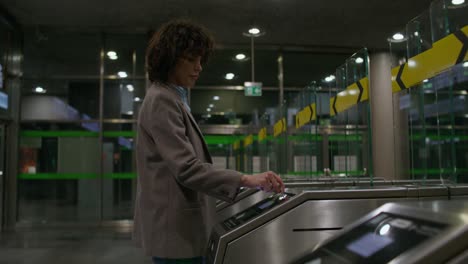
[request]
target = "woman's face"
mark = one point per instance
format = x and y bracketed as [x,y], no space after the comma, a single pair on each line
[186,71]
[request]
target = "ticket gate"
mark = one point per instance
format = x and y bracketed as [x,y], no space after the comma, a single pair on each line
[458,192]
[288,226]
[407,232]
[243,192]
[248,197]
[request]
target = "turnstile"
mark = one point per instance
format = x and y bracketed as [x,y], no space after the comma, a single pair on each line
[408,232]
[247,197]
[287,229]
[458,192]
[244,192]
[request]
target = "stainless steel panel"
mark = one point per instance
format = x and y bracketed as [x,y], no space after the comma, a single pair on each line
[225,210]
[246,192]
[241,205]
[339,194]
[440,248]
[440,191]
[298,230]
[462,258]
[457,191]
[417,182]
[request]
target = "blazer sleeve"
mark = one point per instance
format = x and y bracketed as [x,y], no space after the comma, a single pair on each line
[165,123]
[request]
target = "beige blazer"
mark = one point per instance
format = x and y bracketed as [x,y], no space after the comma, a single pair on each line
[174,208]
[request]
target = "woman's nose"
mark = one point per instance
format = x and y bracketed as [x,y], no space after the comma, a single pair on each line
[198,66]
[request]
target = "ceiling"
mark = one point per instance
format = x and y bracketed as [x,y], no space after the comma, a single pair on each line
[304,23]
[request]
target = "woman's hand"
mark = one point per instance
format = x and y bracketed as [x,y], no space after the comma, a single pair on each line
[267,181]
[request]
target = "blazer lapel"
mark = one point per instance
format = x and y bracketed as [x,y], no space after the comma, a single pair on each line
[192,120]
[200,134]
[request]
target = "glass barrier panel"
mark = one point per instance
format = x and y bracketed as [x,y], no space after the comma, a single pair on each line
[447,17]
[418,32]
[58,174]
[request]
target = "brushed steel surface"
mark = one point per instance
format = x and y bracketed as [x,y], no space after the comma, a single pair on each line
[241,205]
[246,192]
[458,191]
[277,242]
[447,244]
[336,196]
[418,182]
[462,258]
[434,191]
[226,210]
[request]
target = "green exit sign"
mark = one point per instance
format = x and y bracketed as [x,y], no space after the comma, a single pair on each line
[253,89]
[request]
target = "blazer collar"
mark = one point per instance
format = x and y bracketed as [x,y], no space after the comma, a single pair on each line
[177,97]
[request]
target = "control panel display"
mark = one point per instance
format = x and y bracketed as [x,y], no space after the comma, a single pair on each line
[378,240]
[255,210]
[241,190]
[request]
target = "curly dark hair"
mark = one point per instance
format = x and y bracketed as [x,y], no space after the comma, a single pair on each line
[173,40]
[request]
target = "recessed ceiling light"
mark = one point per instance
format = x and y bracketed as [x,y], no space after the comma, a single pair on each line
[40,90]
[458,2]
[330,78]
[137,99]
[211,105]
[130,88]
[359,60]
[229,76]
[208,109]
[122,74]
[130,113]
[254,31]
[111,54]
[240,56]
[398,36]
[113,57]
[216,98]
[412,63]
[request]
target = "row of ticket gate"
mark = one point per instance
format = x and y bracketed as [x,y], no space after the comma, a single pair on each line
[351,221]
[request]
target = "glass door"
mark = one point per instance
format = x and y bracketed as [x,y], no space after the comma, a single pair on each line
[2,170]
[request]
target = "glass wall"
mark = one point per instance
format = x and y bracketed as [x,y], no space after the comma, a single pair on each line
[305,141]
[80,97]
[10,73]
[350,138]
[433,109]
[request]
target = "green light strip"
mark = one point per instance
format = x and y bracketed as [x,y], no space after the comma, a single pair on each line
[56,176]
[210,139]
[438,171]
[220,139]
[129,134]
[73,176]
[71,133]
[120,175]
[352,137]
[34,133]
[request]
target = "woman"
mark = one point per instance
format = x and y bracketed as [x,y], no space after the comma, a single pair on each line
[177,183]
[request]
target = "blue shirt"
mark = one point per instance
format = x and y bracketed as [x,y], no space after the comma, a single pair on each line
[182,92]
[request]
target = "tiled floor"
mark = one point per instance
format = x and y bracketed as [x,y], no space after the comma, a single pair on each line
[69,246]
